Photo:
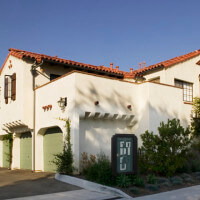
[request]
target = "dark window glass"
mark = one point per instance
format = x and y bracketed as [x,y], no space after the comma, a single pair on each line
[54,76]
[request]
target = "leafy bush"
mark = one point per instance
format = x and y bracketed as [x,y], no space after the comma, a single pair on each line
[64,160]
[86,162]
[193,161]
[195,117]
[176,180]
[151,179]
[152,187]
[123,181]
[138,181]
[166,152]
[100,171]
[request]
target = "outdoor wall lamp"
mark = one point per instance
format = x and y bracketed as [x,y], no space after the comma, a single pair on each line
[62,103]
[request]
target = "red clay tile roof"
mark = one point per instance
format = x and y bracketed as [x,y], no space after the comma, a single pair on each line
[39,57]
[169,63]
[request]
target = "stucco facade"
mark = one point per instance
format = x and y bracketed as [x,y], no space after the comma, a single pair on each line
[124,104]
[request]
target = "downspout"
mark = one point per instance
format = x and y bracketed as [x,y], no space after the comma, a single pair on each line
[33,71]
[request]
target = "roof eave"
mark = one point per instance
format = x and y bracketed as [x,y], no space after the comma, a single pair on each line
[149,71]
[82,68]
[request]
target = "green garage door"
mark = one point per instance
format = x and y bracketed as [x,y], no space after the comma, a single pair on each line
[26,151]
[6,153]
[52,144]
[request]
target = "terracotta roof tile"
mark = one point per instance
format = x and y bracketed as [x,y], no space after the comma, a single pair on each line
[169,63]
[39,57]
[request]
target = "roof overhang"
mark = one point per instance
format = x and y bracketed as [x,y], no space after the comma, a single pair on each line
[149,71]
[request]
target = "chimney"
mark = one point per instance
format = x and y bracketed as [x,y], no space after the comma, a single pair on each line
[111,65]
[144,65]
[131,70]
[117,68]
[140,66]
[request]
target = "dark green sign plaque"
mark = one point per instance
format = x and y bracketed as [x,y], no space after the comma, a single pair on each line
[124,154]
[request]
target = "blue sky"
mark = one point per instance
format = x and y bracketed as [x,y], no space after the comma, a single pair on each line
[98,32]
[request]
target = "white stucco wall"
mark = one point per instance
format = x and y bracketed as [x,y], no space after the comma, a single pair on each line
[1,152]
[95,135]
[151,103]
[166,103]
[187,71]
[14,108]
[16,152]
[22,108]
[46,69]
[49,95]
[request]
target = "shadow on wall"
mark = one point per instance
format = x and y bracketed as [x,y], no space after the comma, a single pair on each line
[114,98]
[159,114]
[95,134]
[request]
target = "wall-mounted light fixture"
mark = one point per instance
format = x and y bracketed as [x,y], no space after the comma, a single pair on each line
[62,103]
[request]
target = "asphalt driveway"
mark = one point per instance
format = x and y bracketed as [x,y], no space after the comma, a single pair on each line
[23,183]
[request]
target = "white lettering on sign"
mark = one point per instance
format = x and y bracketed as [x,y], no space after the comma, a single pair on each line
[121,164]
[125,149]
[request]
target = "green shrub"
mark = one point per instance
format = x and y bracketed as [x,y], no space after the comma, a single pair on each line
[195,117]
[152,187]
[193,159]
[138,181]
[64,160]
[176,180]
[86,162]
[151,179]
[100,171]
[166,152]
[123,181]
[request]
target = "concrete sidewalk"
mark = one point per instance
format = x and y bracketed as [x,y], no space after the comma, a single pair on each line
[189,193]
[70,195]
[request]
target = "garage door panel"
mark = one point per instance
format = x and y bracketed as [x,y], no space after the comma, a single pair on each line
[6,153]
[26,151]
[53,144]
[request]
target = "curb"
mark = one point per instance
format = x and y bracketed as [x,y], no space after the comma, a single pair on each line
[88,185]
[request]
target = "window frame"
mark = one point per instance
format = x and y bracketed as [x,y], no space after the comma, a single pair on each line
[188,90]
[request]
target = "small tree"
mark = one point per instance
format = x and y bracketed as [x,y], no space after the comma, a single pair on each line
[166,152]
[64,160]
[195,117]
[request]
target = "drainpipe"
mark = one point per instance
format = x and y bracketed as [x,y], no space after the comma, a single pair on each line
[33,71]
